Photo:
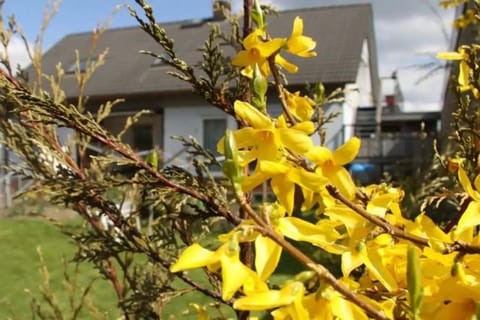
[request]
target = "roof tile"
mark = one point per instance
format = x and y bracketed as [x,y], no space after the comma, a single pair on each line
[339,31]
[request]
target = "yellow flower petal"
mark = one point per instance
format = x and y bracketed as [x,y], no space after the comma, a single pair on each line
[450,56]
[318,154]
[305,179]
[242,59]
[295,140]
[374,264]
[193,257]
[346,152]
[476,183]
[268,48]
[301,230]
[470,218]
[244,137]
[380,204]
[297,27]
[456,310]
[268,145]
[234,275]
[264,68]
[467,186]
[302,46]
[305,126]
[254,284]
[299,44]
[252,115]
[431,229]
[267,256]
[273,168]
[346,310]
[284,190]
[263,301]
[252,181]
[281,61]
[351,220]
[301,107]
[252,39]
[350,261]
[248,72]
[464,74]
[341,179]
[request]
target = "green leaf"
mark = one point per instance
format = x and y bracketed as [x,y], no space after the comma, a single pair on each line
[257,15]
[414,281]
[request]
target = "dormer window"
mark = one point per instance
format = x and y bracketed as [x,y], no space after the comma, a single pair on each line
[157,62]
[82,67]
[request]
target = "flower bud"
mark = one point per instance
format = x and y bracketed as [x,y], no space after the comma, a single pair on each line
[152,159]
[305,276]
[231,168]
[259,86]
[319,93]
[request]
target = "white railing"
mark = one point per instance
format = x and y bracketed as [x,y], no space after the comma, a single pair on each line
[12,184]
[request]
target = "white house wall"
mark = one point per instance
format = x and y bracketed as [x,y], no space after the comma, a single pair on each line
[334,130]
[358,94]
[364,79]
[187,121]
[116,122]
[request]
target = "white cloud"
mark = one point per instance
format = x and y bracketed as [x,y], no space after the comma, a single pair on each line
[425,95]
[17,52]
[408,33]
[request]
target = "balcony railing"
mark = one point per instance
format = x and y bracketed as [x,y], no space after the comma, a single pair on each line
[393,145]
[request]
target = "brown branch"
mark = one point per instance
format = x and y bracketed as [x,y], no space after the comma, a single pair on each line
[322,272]
[247,255]
[247,17]
[280,90]
[114,279]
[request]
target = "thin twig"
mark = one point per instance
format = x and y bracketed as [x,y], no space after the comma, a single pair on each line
[280,90]
[398,232]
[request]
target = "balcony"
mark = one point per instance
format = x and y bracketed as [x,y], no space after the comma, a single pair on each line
[398,153]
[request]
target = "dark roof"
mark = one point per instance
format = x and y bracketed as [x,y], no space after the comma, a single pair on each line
[339,31]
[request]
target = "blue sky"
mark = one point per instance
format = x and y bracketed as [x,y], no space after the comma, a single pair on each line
[84,15]
[408,32]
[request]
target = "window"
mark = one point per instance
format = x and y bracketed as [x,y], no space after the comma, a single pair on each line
[143,137]
[213,130]
[160,61]
[82,67]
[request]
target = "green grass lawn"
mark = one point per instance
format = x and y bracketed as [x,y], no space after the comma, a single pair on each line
[20,262]
[19,270]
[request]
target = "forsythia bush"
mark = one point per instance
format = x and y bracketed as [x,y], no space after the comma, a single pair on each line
[391,266]
[413,269]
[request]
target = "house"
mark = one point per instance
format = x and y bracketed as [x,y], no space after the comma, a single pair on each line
[346,59]
[400,144]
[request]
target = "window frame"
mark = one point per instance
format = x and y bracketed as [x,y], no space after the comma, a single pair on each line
[141,126]
[213,148]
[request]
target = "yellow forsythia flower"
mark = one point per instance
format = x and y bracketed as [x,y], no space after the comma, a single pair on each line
[257,52]
[331,164]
